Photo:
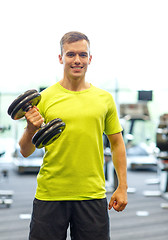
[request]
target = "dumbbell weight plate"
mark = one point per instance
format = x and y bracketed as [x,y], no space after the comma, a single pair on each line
[20,110]
[42,142]
[38,134]
[19,99]
[49,135]
[54,134]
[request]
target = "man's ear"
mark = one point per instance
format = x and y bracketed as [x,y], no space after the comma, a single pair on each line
[60,58]
[90,59]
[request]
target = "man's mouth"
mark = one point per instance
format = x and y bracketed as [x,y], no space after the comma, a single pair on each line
[76,67]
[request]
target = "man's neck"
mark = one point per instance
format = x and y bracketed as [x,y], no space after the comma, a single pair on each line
[74,84]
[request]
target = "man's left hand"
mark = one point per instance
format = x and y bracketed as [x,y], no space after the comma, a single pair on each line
[118,200]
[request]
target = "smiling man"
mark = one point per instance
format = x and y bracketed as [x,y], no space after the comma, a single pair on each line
[75,57]
[71,182]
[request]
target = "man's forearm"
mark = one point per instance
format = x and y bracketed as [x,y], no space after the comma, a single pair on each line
[25,143]
[120,165]
[118,200]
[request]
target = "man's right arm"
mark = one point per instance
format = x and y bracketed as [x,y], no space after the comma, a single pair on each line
[34,121]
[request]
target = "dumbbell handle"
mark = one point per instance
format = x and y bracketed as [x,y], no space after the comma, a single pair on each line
[27,107]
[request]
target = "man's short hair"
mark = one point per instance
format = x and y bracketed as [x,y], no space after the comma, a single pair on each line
[71,37]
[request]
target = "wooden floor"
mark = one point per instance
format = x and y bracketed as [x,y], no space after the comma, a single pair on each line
[127,225]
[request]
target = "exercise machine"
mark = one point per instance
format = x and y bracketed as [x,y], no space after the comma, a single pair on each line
[162,144]
[5,195]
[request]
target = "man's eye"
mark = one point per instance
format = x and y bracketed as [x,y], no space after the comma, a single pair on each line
[70,54]
[83,55]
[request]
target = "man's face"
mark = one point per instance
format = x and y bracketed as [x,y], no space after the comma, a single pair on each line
[75,58]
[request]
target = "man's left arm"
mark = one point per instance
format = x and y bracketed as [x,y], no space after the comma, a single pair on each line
[119,198]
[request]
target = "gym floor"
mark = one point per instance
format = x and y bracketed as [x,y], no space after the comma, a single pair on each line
[144,218]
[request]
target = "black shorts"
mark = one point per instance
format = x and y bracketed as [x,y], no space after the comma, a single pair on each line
[88,220]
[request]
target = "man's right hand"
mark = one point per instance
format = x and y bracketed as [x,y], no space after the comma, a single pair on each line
[34,119]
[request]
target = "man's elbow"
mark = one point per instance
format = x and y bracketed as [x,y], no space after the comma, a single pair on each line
[24,154]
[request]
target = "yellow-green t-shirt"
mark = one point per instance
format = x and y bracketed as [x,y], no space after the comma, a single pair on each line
[72,167]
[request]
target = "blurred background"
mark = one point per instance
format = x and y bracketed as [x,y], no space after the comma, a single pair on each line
[129,45]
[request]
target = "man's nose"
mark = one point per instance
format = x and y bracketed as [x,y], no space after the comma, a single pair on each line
[77,59]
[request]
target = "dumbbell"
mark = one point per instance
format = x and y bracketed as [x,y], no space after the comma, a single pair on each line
[47,132]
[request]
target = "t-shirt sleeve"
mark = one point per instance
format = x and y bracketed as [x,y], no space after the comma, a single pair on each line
[112,124]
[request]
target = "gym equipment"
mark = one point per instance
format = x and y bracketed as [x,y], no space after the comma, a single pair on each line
[138,154]
[162,133]
[48,132]
[3,129]
[162,144]
[6,197]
